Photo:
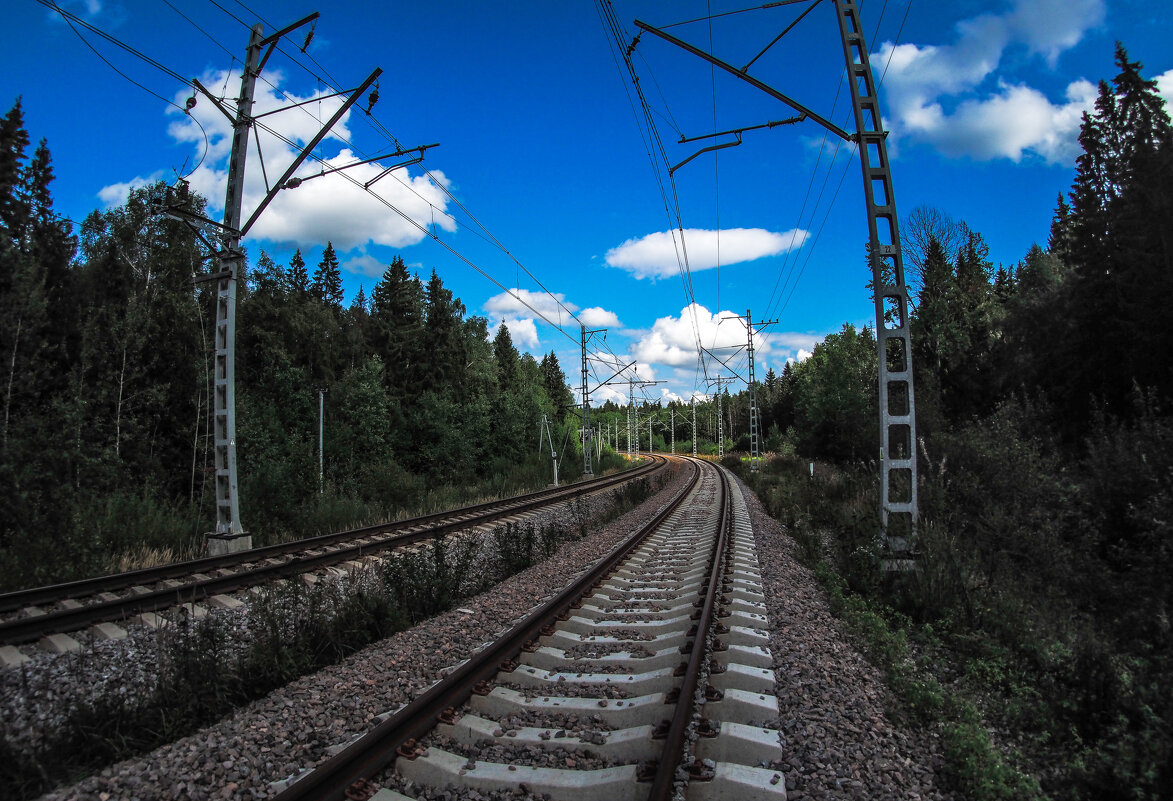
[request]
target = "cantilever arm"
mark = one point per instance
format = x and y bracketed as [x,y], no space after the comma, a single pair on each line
[732,70]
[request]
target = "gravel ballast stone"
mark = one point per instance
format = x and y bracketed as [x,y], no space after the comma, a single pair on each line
[838,743]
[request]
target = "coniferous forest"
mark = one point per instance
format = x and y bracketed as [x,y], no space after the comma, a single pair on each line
[105,447]
[1035,635]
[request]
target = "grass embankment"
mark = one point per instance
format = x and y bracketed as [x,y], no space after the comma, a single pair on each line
[131,530]
[955,679]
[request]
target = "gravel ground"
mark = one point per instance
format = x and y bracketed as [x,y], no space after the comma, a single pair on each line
[839,744]
[292,728]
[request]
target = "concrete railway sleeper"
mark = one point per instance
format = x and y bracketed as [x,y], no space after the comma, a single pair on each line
[646,679]
[48,614]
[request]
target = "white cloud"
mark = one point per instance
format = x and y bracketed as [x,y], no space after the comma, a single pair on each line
[116,194]
[1049,27]
[552,305]
[522,331]
[328,207]
[1165,89]
[603,394]
[365,265]
[1013,122]
[788,342]
[1009,121]
[672,340]
[659,255]
[523,301]
[597,317]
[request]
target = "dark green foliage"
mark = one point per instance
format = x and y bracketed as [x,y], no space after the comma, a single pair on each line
[834,393]
[297,279]
[1045,452]
[105,397]
[327,283]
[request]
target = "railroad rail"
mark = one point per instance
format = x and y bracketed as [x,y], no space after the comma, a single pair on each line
[607,649]
[93,601]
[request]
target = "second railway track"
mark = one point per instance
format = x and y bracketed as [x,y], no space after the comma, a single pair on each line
[645,678]
[46,612]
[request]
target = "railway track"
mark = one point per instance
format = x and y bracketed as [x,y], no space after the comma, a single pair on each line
[49,614]
[645,678]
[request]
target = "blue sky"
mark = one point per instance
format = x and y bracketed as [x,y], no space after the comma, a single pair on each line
[543,178]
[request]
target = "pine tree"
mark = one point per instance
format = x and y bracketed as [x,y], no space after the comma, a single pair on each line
[934,334]
[299,279]
[443,316]
[327,284]
[1059,240]
[1121,246]
[506,357]
[554,382]
[397,316]
[13,210]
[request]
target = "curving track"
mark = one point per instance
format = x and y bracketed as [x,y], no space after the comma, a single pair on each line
[643,679]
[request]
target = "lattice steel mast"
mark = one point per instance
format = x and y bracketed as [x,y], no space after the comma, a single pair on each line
[898,471]
[898,478]
[229,535]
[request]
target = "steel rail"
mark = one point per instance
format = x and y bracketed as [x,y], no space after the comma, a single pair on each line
[35,596]
[672,754]
[373,751]
[23,630]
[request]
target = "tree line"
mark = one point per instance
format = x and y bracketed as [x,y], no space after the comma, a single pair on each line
[106,343]
[1045,453]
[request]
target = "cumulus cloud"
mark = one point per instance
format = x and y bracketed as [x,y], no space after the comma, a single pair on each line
[522,301]
[598,317]
[328,206]
[603,394]
[1009,120]
[552,305]
[659,255]
[1049,27]
[522,331]
[671,341]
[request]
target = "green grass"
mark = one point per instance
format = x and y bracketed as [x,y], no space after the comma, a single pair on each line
[910,654]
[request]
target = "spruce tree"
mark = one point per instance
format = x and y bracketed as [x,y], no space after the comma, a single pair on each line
[1121,247]
[299,279]
[443,317]
[13,141]
[327,285]
[506,357]
[397,315]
